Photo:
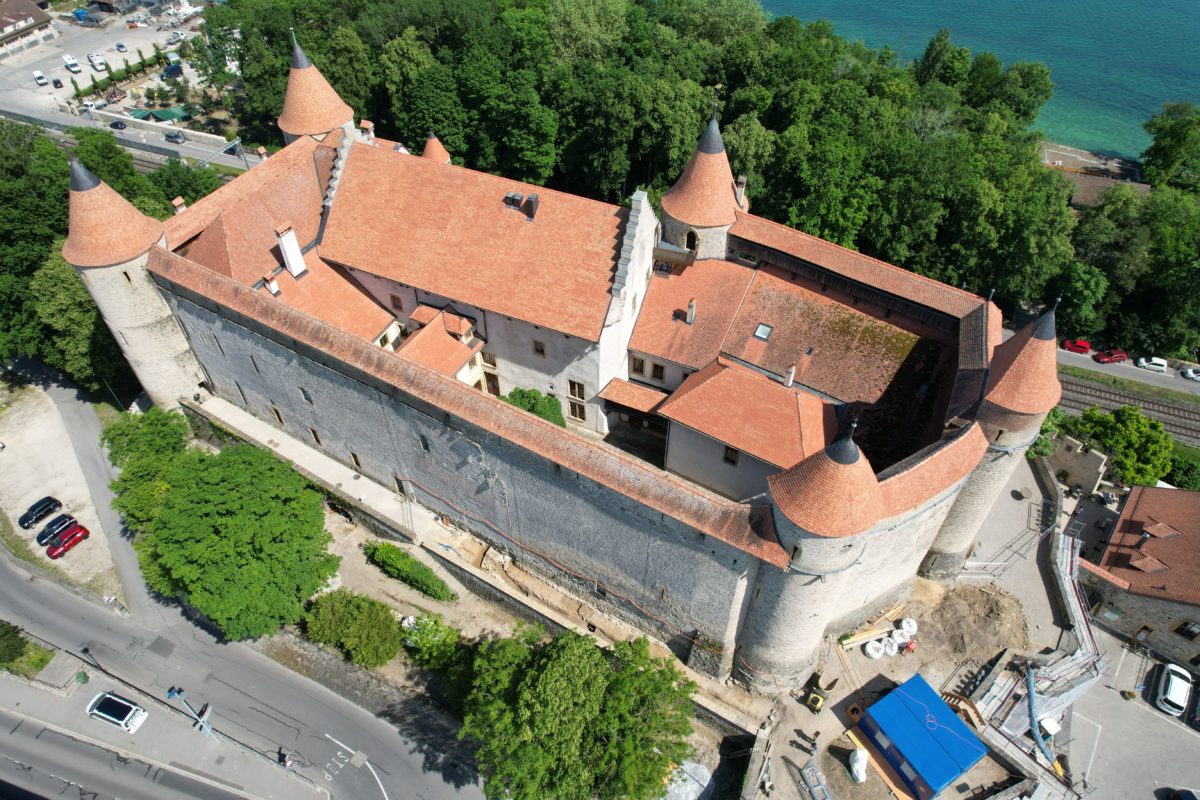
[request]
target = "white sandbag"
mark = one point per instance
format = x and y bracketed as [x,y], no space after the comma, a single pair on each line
[873,649]
[909,626]
[890,648]
[858,765]
[900,637]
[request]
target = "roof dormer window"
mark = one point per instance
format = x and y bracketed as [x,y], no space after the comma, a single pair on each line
[763,331]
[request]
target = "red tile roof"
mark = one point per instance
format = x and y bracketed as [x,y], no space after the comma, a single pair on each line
[933,470]
[435,151]
[704,194]
[1166,567]
[752,413]
[856,266]
[435,347]
[744,527]
[717,287]
[633,395]
[1024,371]
[328,294]
[446,230]
[423,314]
[105,229]
[832,493]
[855,356]
[310,105]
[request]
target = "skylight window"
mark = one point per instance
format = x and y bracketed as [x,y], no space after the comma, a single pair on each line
[763,331]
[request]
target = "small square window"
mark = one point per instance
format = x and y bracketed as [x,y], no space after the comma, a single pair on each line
[278,416]
[397,302]
[637,365]
[1188,630]
[398,486]
[307,397]
[316,436]
[539,348]
[731,456]
[489,359]
[354,460]
[578,411]
[763,331]
[658,372]
[576,390]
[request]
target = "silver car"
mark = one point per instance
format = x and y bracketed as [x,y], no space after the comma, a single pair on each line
[1190,374]
[116,710]
[1174,690]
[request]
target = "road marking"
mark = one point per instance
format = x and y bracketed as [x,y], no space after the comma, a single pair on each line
[1095,744]
[367,764]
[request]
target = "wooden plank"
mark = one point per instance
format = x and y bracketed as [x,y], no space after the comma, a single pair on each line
[864,636]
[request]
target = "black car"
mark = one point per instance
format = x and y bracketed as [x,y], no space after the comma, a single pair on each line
[1182,794]
[39,511]
[54,527]
[117,125]
[176,137]
[56,83]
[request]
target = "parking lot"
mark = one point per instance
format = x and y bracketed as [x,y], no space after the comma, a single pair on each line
[38,460]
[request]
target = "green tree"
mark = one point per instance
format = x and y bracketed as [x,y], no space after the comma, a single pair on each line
[1043,446]
[1082,288]
[533,401]
[12,643]
[155,434]
[565,720]
[363,628]
[350,68]
[943,61]
[98,150]
[1140,448]
[177,179]
[1173,158]
[240,536]
[1185,473]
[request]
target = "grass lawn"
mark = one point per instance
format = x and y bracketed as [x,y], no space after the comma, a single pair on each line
[35,659]
[1186,450]
[1137,388]
[105,410]
[22,549]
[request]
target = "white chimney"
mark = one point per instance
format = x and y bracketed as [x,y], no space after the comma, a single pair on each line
[739,191]
[293,259]
[366,130]
[271,284]
[791,376]
[691,312]
[180,205]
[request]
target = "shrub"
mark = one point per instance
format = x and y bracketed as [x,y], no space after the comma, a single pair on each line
[1185,473]
[364,629]
[403,567]
[431,642]
[533,401]
[12,644]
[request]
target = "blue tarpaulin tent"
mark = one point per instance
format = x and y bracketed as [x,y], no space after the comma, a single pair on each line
[922,737]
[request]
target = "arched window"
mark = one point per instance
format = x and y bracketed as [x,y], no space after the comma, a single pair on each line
[691,240]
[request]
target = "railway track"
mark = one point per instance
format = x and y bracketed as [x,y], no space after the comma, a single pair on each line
[1181,421]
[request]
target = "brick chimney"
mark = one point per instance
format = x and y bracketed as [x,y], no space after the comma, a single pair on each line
[366,130]
[179,204]
[691,312]
[293,259]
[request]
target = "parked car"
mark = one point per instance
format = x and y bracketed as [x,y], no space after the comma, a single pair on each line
[172,71]
[60,544]
[1174,690]
[175,38]
[1190,374]
[117,125]
[72,64]
[1077,345]
[54,527]
[116,710]
[39,77]
[39,511]
[176,137]
[56,83]
[1182,794]
[1152,363]
[1111,356]
[121,48]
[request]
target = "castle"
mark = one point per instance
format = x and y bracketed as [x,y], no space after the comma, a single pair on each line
[768,436]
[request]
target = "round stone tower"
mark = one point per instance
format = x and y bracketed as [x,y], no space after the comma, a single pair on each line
[702,205]
[1022,387]
[822,506]
[311,107]
[108,244]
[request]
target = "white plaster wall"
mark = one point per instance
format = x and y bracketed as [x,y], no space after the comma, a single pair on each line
[637,260]
[673,374]
[702,459]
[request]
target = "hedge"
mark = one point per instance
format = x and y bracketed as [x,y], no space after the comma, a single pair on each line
[403,567]
[533,401]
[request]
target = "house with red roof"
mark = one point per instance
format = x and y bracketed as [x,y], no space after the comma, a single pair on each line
[767,435]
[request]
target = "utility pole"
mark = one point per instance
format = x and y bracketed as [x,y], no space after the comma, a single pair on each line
[201,716]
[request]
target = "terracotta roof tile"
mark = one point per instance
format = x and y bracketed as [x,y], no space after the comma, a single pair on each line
[717,287]
[1166,567]
[744,527]
[933,470]
[752,413]
[1086,190]
[446,230]
[633,395]
[310,105]
[855,357]
[423,314]
[328,294]
[704,194]
[832,493]
[1024,371]
[855,266]
[105,228]
[435,346]
[434,151]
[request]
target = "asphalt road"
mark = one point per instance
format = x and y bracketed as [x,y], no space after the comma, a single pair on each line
[1128,371]
[337,744]
[47,763]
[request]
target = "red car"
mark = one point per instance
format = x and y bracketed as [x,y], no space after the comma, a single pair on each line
[1111,356]
[66,540]
[1077,345]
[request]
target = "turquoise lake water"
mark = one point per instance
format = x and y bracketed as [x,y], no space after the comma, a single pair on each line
[1113,62]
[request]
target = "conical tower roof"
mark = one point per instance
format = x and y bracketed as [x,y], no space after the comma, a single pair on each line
[1023,377]
[310,105]
[832,493]
[435,151]
[104,228]
[704,194]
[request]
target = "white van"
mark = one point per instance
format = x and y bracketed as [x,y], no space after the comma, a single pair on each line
[39,77]
[1153,364]
[72,64]
[97,61]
